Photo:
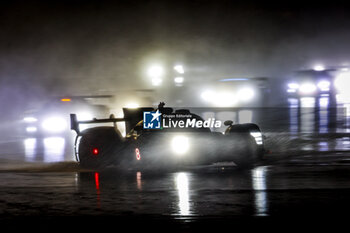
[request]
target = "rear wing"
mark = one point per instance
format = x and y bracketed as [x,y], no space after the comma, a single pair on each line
[131,118]
[74,123]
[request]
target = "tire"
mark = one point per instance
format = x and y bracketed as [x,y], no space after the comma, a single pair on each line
[107,141]
[247,151]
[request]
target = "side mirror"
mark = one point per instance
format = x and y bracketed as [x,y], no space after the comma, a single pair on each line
[228,123]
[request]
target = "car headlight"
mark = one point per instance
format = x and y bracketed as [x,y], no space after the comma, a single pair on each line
[30,119]
[324,85]
[207,95]
[292,87]
[245,94]
[219,99]
[180,145]
[31,129]
[54,124]
[307,88]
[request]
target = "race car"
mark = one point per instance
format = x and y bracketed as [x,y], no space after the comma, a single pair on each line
[311,83]
[165,147]
[52,117]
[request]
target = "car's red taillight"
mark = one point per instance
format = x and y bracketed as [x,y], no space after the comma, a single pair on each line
[95,151]
[138,154]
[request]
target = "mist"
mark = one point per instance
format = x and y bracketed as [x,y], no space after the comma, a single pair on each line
[78,47]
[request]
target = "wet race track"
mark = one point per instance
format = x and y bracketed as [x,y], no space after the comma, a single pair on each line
[305,177]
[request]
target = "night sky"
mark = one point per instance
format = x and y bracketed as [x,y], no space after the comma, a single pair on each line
[99,47]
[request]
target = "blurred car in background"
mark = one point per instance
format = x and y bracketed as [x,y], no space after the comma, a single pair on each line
[52,118]
[235,92]
[332,82]
[182,85]
[310,83]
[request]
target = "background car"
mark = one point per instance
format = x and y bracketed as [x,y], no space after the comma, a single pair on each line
[311,83]
[52,118]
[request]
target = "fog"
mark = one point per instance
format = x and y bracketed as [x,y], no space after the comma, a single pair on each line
[100,47]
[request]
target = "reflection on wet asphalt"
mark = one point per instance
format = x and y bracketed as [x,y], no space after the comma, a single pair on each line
[304,188]
[263,191]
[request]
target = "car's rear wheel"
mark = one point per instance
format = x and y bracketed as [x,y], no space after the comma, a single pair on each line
[98,147]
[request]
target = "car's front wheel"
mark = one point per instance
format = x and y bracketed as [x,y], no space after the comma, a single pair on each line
[247,144]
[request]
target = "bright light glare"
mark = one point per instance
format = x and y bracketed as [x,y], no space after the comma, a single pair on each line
[224,99]
[219,99]
[179,69]
[54,124]
[178,80]
[84,116]
[246,94]
[293,85]
[307,88]
[307,102]
[343,98]
[29,149]
[182,187]
[319,68]
[207,95]
[132,105]
[31,129]
[259,184]
[30,119]
[54,149]
[342,82]
[324,85]
[180,145]
[324,102]
[155,71]
[156,81]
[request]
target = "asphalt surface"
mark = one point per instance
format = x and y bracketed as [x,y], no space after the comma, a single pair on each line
[40,192]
